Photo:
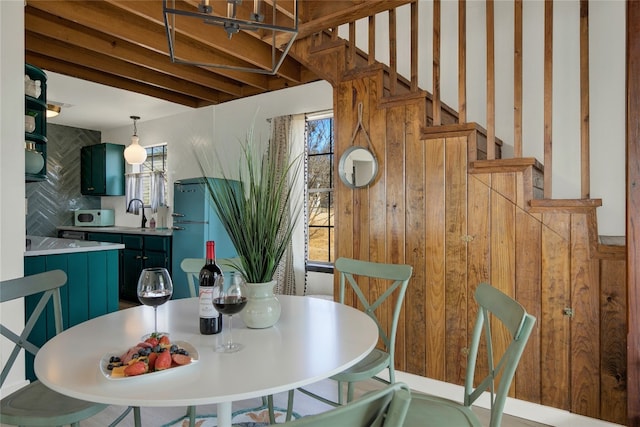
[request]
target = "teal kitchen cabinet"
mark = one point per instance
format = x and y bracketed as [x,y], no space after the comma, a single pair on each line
[91,291]
[105,237]
[102,170]
[110,238]
[142,252]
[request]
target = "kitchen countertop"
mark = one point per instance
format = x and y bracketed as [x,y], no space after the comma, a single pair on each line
[125,230]
[54,246]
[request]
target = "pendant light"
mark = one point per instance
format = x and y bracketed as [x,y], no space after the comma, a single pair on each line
[269,21]
[135,154]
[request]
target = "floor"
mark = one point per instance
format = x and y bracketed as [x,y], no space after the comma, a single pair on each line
[303,404]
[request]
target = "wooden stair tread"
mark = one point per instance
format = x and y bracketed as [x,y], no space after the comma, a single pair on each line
[613,240]
[505,165]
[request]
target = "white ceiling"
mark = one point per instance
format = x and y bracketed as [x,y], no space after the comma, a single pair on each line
[89,105]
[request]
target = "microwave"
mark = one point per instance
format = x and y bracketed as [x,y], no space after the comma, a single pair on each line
[94,218]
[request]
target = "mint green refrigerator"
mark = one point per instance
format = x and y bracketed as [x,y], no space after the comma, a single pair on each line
[194,222]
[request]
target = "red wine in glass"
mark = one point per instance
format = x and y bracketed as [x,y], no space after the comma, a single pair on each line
[153,298]
[229,305]
[229,301]
[154,288]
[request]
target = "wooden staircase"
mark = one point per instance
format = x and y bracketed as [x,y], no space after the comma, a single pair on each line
[459,219]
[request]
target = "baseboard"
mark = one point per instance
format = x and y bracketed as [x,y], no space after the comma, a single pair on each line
[518,408]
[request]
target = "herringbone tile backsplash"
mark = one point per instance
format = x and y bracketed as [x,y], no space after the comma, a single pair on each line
[51,202]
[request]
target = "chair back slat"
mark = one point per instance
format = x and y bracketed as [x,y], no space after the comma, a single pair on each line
[385,407]
[381,272]
[496,305]
[47,283]
[29,285]
[191,267]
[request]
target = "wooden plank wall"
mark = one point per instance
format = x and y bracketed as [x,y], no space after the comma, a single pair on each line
[613,308]
[459,225]
[459,221]
[633,208]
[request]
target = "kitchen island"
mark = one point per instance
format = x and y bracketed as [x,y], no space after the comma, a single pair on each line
[37,245]
[143,248]
[93,271]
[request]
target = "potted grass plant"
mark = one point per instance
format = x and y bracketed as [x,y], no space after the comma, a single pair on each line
[259,211]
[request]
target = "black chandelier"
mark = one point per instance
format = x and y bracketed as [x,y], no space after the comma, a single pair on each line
[180,16]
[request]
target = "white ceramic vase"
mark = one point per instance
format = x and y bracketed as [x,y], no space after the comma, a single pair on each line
[263,308]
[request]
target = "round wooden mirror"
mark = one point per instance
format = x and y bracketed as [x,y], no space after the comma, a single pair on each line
[358,167]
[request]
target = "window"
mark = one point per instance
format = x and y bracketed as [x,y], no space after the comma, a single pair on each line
[156,162]
[319,201]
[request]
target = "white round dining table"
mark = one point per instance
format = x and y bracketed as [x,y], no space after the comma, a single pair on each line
[313,340]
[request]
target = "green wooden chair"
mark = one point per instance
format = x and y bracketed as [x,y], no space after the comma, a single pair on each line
[426,410]
[35,404]
[384,407]
[394,279]
[191,267]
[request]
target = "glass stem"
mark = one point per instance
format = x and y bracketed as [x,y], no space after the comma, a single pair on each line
[229,336]
[155,319]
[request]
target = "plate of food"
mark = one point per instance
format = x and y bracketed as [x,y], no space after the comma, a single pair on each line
[155,355]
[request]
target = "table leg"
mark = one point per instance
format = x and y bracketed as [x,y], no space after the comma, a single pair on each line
[224,414]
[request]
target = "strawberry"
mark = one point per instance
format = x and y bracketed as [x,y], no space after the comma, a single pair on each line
[136,368]
[181,359]
[153,341]
[163,361]
[164,340]
[152,361]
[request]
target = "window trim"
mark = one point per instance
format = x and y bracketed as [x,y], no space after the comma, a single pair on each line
[315,265]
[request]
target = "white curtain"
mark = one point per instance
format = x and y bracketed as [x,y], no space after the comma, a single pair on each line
[157,190]
[134,188]
[279,146]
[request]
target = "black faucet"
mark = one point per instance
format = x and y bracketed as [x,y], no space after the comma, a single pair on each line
[144,218]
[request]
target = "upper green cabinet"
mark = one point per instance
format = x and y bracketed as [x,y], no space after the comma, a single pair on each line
[102,170]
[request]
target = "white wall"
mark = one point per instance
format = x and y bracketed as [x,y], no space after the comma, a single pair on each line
[218,131]
[12,202]
[220,128]
[607,79]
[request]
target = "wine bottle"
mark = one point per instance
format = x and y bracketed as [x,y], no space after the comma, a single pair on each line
[210,281]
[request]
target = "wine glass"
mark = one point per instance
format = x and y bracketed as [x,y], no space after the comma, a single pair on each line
[230,301]
[154,288]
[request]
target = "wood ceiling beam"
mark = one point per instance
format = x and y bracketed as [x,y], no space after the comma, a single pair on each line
[44,46]
[249,49]
[74,70]
[103,17]
[73,34]
[319,15]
